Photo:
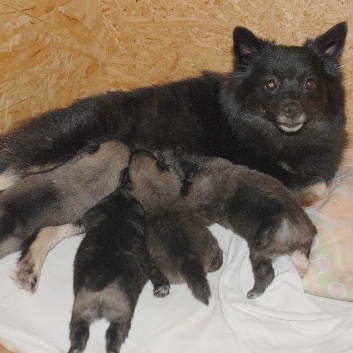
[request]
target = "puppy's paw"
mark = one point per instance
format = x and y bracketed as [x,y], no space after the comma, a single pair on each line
[27,275]
[201,291]
[254,293]
[312,194]
[161,291]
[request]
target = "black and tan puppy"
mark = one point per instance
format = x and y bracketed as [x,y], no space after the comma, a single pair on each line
[181,250]
[254,205]
[61,195]
[110,270]
[53,198]
[181,247]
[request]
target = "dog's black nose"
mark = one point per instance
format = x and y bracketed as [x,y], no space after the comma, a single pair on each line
[293,110]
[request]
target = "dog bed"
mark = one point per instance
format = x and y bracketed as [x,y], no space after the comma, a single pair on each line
[310,314]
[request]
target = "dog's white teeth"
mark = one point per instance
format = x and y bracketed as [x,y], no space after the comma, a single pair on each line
[291,127]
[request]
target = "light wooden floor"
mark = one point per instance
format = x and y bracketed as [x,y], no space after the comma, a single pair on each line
[3,350]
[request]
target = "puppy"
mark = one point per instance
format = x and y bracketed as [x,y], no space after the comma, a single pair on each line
[254,205]
[181,249]
[110,270]
[71,190]
[281,112]
[61,195]
[180,246]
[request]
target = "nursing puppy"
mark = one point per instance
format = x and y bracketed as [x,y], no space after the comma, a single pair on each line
[180,246]
[254,205]
[57,197]
[181,250]
[61,195]
[281,112]
[110,270]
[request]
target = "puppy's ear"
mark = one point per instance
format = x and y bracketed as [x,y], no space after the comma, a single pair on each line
[331,43]
[246,45]
[186,187]
[92,149]
[125,182]
[189,170]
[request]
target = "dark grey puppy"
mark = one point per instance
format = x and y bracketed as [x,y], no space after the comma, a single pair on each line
[254,205]
[181,249]
[180,246]
[61,195]
[110,270]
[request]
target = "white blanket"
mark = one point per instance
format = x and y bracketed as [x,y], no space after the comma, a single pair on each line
[283,320]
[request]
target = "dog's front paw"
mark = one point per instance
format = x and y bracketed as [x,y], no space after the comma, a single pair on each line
[27,276]
[312,194]
[161,291]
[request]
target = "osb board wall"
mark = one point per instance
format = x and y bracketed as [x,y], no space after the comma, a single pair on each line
[55,51]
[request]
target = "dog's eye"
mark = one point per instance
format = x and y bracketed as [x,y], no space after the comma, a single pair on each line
[310,84]
[271,85]
[162,167]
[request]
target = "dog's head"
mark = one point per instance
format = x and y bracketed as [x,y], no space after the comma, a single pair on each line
[289,86]
[153,182]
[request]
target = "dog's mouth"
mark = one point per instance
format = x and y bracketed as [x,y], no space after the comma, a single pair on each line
[289,125]
[292,127]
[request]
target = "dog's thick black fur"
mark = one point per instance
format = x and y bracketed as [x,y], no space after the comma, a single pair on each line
[110,270]
[280,112]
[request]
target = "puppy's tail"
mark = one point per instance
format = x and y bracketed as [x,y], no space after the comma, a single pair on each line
[195,278]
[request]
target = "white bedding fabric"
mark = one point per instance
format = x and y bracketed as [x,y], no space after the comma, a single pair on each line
[283,320]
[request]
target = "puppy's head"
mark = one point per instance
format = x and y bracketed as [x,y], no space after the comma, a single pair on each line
[153,182]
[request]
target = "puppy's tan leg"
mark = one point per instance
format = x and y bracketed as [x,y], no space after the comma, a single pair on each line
[30,266]
[311,195]
[8,178]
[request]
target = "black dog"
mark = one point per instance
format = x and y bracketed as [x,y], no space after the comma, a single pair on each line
[110,270]
[280,112]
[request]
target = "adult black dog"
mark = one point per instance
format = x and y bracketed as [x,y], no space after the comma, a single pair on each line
[280,112]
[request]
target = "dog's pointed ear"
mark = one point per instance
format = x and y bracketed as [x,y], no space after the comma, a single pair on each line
[125,182]
[331,43]
[246,44]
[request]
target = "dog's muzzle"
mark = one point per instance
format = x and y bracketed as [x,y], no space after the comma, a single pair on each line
[292,118]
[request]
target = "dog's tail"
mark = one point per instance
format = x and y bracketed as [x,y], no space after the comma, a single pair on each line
[195,277]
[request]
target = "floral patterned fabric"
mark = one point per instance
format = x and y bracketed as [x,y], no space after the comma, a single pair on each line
[330,268]
[10,346]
